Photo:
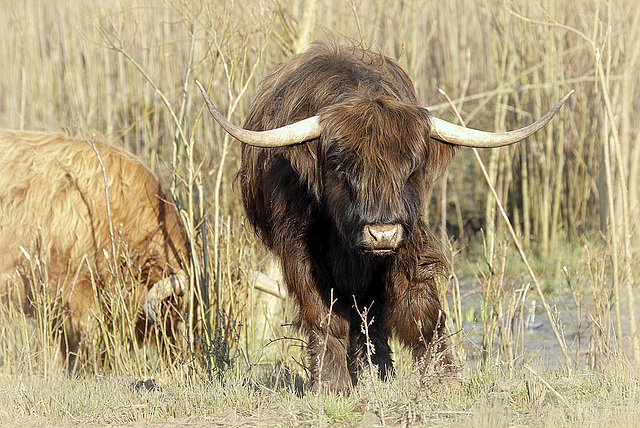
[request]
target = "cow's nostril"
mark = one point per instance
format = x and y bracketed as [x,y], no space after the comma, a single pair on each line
[372,232]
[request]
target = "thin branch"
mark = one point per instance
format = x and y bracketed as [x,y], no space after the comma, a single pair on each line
[550,388]
[516,241]
[92,144]
[155,87]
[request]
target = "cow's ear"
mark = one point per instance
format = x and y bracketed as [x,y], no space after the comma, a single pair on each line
[305,161]
[439,155]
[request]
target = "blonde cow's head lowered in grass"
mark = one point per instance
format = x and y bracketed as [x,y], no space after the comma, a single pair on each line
[55,234]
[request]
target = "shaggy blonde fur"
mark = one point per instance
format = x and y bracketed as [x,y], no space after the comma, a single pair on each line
[53,209]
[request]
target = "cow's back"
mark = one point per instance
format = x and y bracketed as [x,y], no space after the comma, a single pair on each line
[53,208]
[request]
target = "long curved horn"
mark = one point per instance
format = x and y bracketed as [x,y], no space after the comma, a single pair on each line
[461,136]
[442,130]
[161,290]
[304,130]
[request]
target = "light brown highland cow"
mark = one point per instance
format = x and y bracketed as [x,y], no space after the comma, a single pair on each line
[55,232]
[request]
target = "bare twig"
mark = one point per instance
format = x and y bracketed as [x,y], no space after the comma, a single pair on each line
[306,26]
[370,351]
[155,87]
[327,323]
[550,388]
[516,240]
[92,144]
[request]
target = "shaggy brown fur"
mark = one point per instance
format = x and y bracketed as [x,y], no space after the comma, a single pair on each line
[374,163]
[53,208]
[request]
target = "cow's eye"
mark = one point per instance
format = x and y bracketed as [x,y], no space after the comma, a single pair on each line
[414,176]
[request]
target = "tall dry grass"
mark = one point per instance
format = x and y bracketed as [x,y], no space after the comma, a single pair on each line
[125,72]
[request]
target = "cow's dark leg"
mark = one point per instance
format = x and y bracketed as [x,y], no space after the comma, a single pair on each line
[414,312]
[417,319]
[375,335]
[328,355]
[324,317]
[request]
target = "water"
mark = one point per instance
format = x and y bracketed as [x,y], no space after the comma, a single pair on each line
[579,323]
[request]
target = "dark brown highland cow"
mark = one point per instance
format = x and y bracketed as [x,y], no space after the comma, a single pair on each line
[343,210]
[55,233]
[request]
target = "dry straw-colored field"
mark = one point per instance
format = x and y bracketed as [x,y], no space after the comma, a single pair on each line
[569,251]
